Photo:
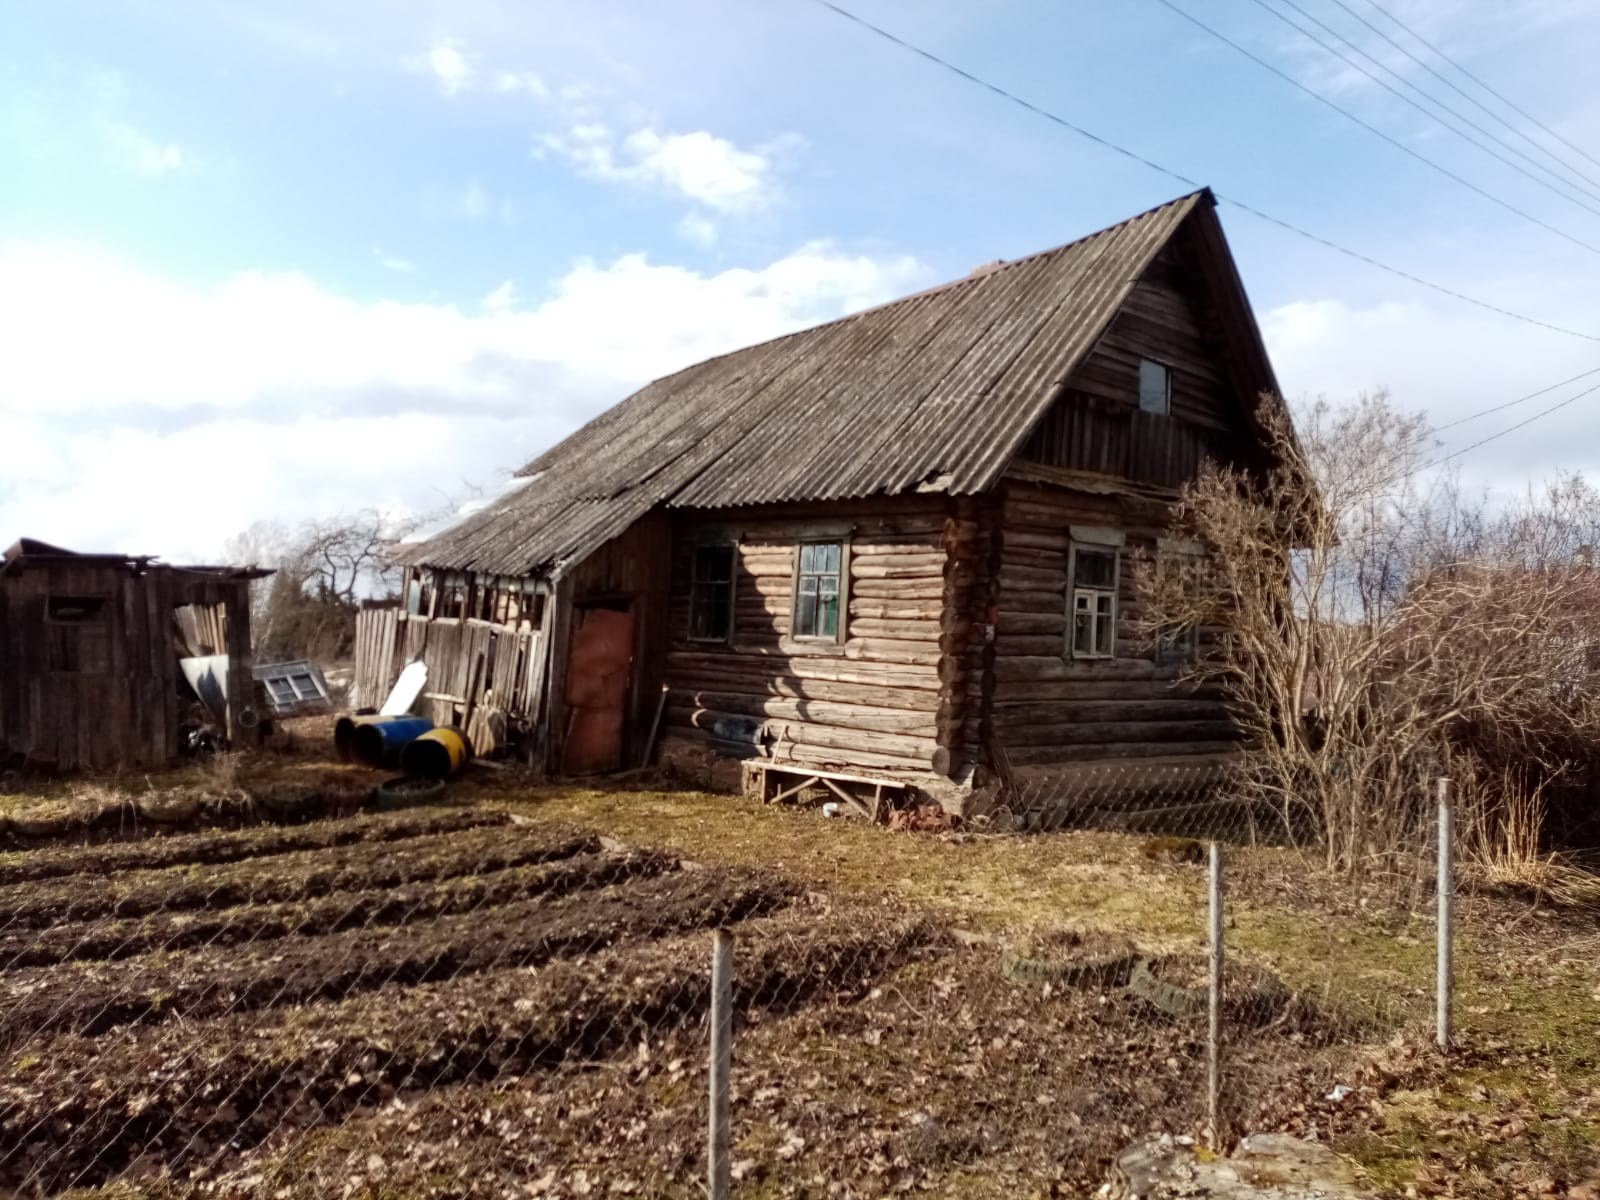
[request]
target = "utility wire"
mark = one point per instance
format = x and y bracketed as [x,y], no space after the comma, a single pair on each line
[1466,95]
[1259,214]
[1494,437]
[1523,113]
[1561,182]
[1513,403]
[1376,132]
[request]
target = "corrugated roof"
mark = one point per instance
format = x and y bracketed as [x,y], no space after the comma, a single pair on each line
[944,385]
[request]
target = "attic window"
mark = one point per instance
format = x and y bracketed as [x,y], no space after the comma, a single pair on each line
[1155,387]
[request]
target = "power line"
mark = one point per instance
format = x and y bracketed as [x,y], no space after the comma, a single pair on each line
[1523,113]
[1526,421]
[1560,181]
[1376,132]
[1463,93]
[1259,214]
[1513,403]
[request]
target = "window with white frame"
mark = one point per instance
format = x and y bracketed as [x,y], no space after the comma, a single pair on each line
[818,592]
[1092,601]
[711,593]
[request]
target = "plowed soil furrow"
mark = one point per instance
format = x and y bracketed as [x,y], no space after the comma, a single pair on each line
[192,929]
[28,866]
[285,877]
[91,998]
[80,1110]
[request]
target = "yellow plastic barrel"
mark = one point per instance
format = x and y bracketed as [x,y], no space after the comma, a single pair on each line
[437,754]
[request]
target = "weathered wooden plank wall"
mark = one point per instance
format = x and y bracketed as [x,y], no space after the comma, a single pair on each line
[470,664]
[104,692]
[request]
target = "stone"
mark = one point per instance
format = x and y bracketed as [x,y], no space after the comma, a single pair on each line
[1266,1166]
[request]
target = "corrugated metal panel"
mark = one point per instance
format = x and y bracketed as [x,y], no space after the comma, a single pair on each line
[944,385]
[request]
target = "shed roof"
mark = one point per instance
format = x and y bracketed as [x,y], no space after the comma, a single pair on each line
[934,392]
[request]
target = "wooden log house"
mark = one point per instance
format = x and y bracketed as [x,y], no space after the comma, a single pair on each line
[893,550]
[90,655]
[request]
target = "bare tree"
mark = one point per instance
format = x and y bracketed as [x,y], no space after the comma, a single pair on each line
[1370,624]
[324,570]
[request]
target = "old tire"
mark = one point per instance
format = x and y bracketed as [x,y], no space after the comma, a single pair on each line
[1250,996]
[405,792]
[287,802]
[1084,958]
[46,820]
[168,808]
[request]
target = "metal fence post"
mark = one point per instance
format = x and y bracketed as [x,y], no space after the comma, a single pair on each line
[721,1062]
[1214,1033]
[1445,964]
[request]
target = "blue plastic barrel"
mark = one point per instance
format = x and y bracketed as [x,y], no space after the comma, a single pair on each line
[378,740]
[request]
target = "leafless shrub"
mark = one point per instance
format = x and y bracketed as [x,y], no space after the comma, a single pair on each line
[1374,629]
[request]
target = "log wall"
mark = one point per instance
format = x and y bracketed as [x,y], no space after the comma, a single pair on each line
[886,699]
[1050,708]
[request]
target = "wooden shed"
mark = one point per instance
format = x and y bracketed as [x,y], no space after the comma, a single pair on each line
[895,548]
[92,648]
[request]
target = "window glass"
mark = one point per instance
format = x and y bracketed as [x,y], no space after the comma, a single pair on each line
[1093,602]
[711,594]
[817,590]
[1155,387]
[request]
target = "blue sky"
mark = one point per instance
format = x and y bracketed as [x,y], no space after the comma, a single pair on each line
[278,260]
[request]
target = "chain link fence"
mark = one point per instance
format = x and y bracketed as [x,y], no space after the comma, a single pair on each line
[1098,972]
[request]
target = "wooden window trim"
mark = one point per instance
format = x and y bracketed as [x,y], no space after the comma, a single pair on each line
[837,638]
[732,545]
[1114,548]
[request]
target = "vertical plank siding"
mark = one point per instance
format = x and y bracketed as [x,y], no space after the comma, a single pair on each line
[120,705]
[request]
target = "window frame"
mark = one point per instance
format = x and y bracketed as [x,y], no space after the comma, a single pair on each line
[1166,375]
[837,637]
[731,545]
[1101,544]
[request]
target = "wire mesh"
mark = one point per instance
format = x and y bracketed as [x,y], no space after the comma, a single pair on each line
[495,999]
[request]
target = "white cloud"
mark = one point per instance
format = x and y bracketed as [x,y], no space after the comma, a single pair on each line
[390,262]
[520,82]
[132,149]
[456,70]
[1450,362]
[502,299]
[129,402]
[700,166]
[698,228]
[448,63]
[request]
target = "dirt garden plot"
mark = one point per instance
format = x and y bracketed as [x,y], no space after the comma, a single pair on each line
[334,913]
[91,998]
[286,876]
[54,862]
[169,1097]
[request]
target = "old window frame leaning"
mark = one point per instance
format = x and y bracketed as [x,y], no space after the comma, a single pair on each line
[1155,392]
[700,588]
[1098,601]
[840,576]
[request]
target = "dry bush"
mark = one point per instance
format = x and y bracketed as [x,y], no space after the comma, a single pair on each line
[1374,630]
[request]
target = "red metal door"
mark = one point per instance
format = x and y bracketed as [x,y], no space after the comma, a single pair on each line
[599,667]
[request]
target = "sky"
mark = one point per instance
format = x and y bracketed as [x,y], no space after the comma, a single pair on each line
[283,259]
